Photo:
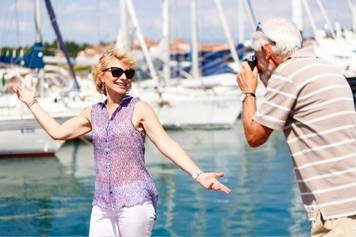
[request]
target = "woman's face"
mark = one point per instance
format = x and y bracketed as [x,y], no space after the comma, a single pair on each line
[117,77]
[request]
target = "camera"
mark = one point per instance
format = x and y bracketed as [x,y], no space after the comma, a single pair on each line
[252,61]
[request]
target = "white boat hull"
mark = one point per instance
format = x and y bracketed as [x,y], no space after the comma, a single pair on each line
[200,112]
[208,102]
[20,134]
[27,142]
[179,107]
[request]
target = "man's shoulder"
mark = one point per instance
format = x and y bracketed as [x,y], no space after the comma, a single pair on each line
[302,68]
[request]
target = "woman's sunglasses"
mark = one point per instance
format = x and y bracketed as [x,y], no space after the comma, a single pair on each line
[117,72]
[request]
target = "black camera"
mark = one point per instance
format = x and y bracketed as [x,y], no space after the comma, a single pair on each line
[252,61]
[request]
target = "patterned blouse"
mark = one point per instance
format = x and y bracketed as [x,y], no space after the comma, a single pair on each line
[122,179]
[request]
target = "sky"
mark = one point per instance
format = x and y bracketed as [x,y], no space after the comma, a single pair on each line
[94,21]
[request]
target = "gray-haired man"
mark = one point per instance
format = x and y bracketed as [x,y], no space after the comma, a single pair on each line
[310,100]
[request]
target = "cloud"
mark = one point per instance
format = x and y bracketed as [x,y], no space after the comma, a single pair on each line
[23,26]
[21,6]
[96,20]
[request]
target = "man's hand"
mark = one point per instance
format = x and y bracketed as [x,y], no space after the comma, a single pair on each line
[247,79]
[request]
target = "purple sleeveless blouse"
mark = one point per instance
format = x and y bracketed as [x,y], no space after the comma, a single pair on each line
[122,179]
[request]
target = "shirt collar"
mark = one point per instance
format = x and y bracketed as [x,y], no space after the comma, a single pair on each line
[305,52]
[124,99]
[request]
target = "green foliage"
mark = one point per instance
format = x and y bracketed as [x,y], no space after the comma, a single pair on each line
[82,68]
[9,50]
[74,48]
[49,48]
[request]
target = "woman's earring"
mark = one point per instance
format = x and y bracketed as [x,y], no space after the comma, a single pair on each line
[102,87]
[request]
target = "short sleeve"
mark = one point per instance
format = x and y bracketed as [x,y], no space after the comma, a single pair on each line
[278,102]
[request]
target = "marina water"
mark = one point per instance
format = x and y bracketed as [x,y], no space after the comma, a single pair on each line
[52,196]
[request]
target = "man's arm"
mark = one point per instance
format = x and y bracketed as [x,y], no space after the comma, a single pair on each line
[255,133]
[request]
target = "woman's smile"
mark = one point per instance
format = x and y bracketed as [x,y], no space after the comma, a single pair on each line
[121,83]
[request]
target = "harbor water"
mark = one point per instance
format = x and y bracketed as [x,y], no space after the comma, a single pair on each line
[52,196]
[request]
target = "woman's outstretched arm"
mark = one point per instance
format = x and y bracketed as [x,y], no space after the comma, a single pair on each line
[146,116]
[70,129]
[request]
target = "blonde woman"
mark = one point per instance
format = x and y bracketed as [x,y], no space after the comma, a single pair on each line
[125,196]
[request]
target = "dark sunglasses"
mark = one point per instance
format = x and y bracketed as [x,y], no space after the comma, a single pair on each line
[117,72]
[259,29]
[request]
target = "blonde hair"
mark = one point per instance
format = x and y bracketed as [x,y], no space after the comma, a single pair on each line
[104,60]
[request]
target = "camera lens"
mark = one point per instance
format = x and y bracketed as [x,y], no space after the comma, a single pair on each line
[252,61]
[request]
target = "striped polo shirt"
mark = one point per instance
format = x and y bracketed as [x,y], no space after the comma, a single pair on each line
[310,100]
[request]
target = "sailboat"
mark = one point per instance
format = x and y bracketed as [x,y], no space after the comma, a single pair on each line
[199,102]
[19,131]
[334,43]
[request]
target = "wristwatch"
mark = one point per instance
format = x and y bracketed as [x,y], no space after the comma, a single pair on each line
[246,94]
[196,173]
[33,101]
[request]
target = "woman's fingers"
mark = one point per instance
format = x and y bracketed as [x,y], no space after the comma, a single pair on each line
[213,183]
[19,90]
[13,87]
[33,90]
[220,187]
[219,174]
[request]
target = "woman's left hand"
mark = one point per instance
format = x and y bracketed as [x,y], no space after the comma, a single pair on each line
[210,181]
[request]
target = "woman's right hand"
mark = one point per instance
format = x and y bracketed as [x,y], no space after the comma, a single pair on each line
[25,95]
[210,181]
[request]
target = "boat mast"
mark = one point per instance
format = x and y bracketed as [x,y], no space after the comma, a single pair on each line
[297,11]
[136,27]
[124,37]
[321,6]
[195,53]
[166,41]
[37,10]
[241,23]
[250,13]
[228,34]
[53,20]
[353,11]
[311,19]
[38,39]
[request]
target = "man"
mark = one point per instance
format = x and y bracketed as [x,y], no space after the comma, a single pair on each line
[310,100]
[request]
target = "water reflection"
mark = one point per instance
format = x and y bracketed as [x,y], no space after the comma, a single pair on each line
[53,196]
[36,195]
[264,191]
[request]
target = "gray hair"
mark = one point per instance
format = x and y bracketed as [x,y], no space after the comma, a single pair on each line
[282,33]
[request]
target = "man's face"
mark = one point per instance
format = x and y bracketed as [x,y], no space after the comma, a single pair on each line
[265,66]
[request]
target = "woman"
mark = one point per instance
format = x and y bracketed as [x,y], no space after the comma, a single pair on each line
[125,196]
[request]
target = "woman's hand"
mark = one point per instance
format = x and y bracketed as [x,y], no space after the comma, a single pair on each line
[209,181]
[24,95]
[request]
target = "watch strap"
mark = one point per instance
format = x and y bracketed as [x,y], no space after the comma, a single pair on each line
[196,173]
[250,94]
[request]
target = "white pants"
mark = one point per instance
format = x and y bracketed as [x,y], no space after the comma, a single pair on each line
[133,221]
